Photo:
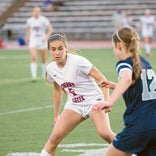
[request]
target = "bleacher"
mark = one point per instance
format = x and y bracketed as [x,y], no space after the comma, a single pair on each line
[4,5]
[87,19]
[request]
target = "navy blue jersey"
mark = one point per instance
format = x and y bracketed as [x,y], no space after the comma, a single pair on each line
[140,98]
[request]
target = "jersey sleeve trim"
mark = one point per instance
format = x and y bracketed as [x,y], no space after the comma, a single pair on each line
[123,66]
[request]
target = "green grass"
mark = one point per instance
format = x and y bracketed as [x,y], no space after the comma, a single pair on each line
[28,131]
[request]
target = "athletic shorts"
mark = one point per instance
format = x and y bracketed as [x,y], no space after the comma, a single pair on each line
[37,43]
[83,110]
[140,143]
[147,33]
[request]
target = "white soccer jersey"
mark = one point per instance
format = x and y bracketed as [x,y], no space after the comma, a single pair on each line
[37,27]
[73,78]
[147,26]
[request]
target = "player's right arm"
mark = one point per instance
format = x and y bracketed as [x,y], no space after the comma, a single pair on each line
[27,35]
[57,97]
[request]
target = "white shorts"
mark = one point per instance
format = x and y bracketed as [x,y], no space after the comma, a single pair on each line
[147,33]
[83,110]
[37,43]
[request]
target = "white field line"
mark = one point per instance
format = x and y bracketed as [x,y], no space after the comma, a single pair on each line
[25,110]
[7,81]
[69,148]
[83,148]
[4,57]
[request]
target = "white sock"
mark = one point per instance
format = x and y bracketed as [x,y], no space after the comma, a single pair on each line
[44,69]
[45,153]
[148,48]
[33,69]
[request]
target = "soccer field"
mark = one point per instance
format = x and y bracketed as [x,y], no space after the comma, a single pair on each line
[26,108]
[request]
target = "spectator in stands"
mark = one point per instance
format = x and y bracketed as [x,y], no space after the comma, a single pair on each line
[38,29]
[52,4]
[118,17]
[147,23]
[128,21]
[47,4]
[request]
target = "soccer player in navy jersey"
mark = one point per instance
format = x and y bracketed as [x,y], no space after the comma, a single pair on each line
[137,84]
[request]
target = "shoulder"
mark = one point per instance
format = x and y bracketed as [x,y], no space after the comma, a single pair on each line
[79,60]
[51,65]
[73,56]
[145,63]
[43,18]
[124,64]
[152,18]
[143,19]
[127,62]
[30,19]
[76,56]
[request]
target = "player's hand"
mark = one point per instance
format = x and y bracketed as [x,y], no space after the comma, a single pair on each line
[107,84]
[45,39]
[102,106]
[55,119]
[27,41]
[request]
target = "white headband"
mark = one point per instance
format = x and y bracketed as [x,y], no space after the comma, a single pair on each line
[117,34]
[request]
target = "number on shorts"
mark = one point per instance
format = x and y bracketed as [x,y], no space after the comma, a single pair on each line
[72,91]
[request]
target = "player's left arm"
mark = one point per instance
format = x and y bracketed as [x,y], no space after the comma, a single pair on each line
[49,31]
[97,75]
[123,84]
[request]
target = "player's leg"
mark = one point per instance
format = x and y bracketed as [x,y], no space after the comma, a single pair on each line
[101,121]
[33,65]
[43,60]
[65,124]
[147,42]
[112,151]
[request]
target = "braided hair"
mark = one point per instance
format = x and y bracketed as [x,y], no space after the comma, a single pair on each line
[130,39]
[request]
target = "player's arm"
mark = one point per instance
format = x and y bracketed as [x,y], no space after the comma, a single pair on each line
[139,26]
[49,31]
[123,84]
[57,96]
[97,75]
[27,33]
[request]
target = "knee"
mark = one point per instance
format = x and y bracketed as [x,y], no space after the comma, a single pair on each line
[33,59]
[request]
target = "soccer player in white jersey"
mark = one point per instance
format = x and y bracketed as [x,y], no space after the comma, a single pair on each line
[38,29]
[74,75]
[147,24]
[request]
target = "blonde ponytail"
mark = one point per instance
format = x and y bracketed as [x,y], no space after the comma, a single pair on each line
[130,39]
[134,49]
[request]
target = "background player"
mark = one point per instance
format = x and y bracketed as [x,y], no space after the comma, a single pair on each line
[38,29]
[147,23]
[74,75]
[137,84]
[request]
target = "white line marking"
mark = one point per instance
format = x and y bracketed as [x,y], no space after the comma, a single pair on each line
[26,110]
[3,57]
[7,81]
[69,148]
[82,145]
